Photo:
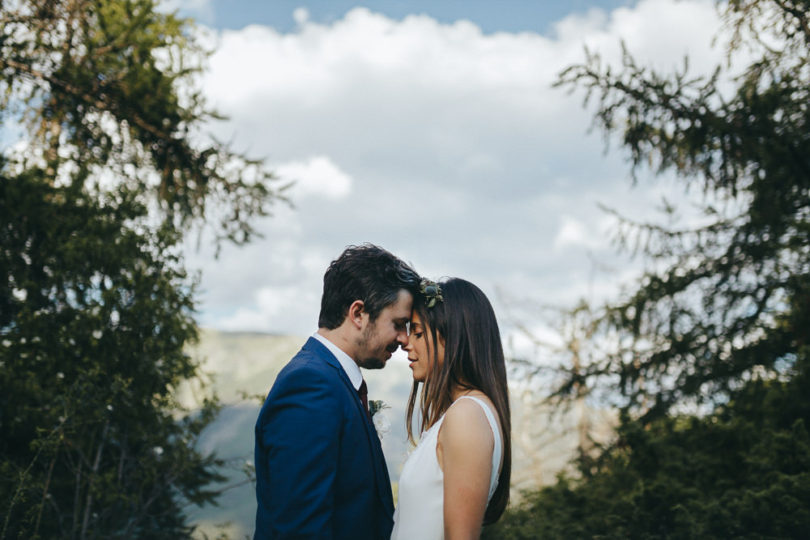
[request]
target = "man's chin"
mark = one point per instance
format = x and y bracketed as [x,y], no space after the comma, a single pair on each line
[374,363]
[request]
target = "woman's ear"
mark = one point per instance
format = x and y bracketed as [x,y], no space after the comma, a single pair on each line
[356,313]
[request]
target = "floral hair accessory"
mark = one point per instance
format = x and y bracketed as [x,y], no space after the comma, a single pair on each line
[431,291]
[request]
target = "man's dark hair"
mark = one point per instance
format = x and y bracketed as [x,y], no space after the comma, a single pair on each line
[368,273]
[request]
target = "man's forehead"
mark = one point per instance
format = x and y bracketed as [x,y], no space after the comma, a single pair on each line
[402,305]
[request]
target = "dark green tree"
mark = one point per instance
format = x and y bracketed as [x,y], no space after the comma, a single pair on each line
[740,472]
[107,167]
[106,93]
[719,322]
[728,301]
[93,328]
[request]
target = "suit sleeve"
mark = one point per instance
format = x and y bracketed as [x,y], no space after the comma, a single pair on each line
[300,435]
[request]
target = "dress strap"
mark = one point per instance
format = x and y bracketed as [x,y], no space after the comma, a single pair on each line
[496,433]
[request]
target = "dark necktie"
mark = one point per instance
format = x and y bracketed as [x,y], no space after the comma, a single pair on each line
[363,391]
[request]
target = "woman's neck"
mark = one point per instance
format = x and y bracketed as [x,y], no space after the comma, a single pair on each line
[460,390]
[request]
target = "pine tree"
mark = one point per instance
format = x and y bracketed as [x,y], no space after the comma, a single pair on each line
[728,301]
[711,349]
[109,170]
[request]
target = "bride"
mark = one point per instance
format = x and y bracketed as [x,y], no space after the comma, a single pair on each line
[457,478]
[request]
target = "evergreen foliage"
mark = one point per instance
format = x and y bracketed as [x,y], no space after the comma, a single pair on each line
[106,92]
[93,328]
[111,169]
[728,300]
[719,323]
[742,472]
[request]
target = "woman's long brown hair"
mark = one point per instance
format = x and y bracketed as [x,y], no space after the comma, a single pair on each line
[473,359]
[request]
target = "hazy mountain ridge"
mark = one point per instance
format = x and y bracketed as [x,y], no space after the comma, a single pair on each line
[543,440]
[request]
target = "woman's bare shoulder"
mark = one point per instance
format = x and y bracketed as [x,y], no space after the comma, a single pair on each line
[466,421]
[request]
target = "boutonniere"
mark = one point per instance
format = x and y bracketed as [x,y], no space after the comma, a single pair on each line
[380,421]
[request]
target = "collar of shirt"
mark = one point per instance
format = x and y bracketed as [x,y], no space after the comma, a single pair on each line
[349,366]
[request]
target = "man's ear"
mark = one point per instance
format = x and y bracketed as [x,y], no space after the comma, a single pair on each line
[356,313]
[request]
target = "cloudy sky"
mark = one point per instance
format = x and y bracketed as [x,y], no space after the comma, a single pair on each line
[432,129]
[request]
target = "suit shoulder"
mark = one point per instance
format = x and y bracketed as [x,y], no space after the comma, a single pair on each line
[306,369]
[305,361]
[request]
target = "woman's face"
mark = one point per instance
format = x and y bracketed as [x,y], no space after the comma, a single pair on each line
[420,349]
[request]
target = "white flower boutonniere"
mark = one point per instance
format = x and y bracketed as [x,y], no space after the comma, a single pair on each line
[381,423]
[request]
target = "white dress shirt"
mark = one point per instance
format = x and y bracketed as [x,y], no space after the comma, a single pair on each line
[349,366]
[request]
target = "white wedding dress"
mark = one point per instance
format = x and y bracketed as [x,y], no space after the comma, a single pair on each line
[420,508]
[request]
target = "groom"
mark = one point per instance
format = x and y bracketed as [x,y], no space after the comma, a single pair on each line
[320,470]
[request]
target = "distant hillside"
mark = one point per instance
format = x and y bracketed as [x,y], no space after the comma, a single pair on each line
[247,363]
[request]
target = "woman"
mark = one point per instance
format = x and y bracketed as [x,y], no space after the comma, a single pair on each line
[457,478]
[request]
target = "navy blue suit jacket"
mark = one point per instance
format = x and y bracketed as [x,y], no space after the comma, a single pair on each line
[320,470]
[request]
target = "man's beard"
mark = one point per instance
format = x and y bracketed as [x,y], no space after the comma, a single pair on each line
[373,358]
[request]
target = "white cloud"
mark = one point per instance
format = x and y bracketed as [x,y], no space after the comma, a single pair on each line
[657,32]
[271,306]
[446,145]
[574,233]
[316,176]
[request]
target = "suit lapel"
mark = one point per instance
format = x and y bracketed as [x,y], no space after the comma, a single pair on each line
[380,468]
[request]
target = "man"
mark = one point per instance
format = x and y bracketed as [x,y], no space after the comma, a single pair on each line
[320,470]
